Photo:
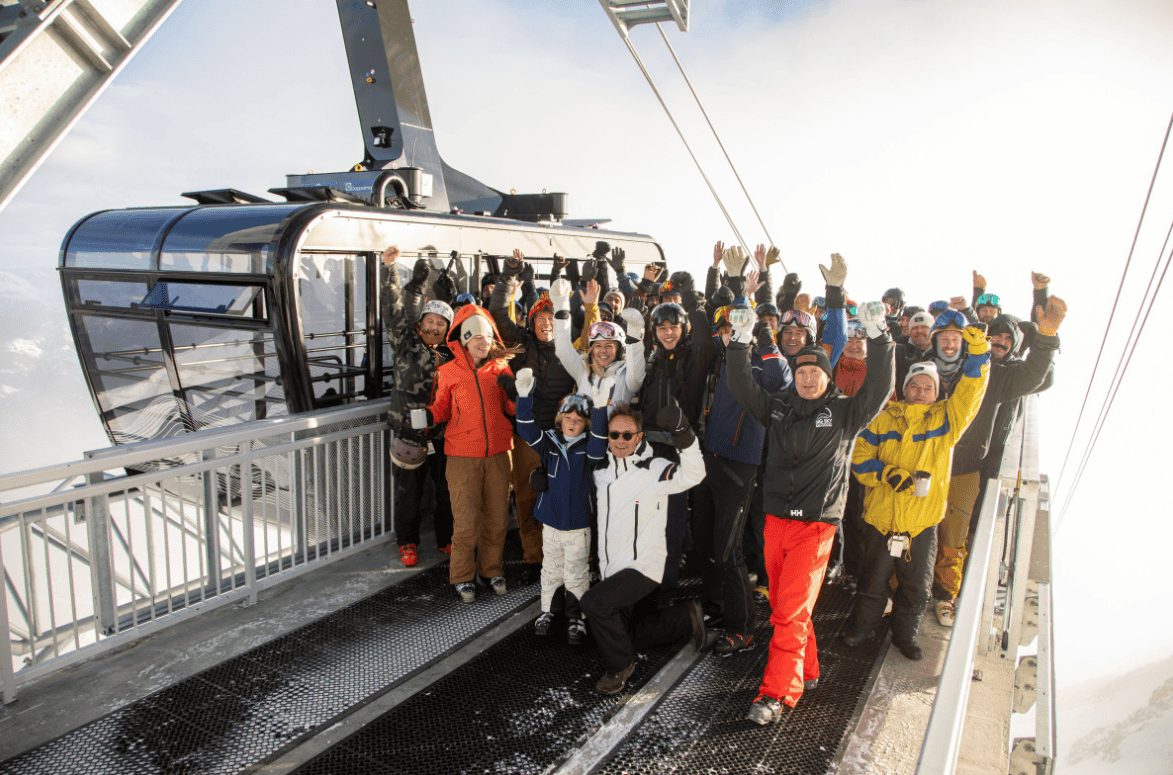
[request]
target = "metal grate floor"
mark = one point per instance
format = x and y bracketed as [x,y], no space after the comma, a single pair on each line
[522,706]
[247,710]
[700,725]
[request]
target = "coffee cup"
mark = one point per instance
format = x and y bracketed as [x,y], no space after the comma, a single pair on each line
[922,479]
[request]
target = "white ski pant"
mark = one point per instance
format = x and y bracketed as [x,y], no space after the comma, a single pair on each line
[565,562]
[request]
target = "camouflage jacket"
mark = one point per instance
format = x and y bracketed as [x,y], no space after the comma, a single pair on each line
[414,365]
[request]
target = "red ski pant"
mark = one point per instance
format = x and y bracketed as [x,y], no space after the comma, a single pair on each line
[796,559]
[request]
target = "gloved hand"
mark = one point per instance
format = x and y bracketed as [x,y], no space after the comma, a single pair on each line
[420,419]
[524,382]
[1052,317]
[837,274]
[508,386]
[419,272]
[672,419]
[514,264]
[978,280]
[390,254]
[773,256]
[601,249]
[743,323]
[763,335]
[790,284]
[560,295]
[618,256]
[445,287]
[872,314]
[802,303]
[634,321]
[601,392]
[897,478]
[527,272]
[589,268]
[560,263]
[734,258]
[1039,280]
[976,342]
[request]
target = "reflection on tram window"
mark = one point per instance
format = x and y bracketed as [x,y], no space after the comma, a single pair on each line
[228,375]
[332,291]
[111,293]
[119,239]
[229,239]
[202,297]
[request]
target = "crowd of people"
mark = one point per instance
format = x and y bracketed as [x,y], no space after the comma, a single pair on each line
[775,441]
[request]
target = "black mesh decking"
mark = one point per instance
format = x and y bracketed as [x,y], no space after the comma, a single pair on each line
[700,725]
[521,707]
[248,709]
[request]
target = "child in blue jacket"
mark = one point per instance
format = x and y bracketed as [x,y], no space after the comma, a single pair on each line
[565,487]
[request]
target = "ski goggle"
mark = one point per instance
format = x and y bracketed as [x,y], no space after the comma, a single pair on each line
[580,405]
[989,300]
[605,329]
[795,317]
[855,330]
[625,435]
[950,317]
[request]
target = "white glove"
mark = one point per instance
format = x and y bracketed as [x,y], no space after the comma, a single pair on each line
[743,321]
[634,320]
[601,392]
[560,295]
[873,314]
[524,382]
[734,258]
[419,419]
[837,274]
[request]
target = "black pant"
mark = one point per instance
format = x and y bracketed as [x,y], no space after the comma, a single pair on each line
[624,618]
[914,572]
[676,534]
[720,504]
[854,531]
[412,490]
[754,542]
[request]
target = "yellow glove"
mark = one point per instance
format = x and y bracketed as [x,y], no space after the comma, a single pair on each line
[772,256]
[976,342]
[1050,319]
[802,303]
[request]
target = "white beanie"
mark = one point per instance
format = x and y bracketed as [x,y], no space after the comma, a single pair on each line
[924,367]
[921,319]
[475,325]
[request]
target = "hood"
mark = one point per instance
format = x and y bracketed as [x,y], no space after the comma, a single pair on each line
[1008,324]
[453,338]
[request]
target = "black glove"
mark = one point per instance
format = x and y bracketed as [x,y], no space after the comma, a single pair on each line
[513,266]
[527,272]
[618,256]
[897,478]
[763,335]
[601,249]
[672,419]
[791,284]
[589,267]
[723,297]
[508,386]
[445,287]
[419,272]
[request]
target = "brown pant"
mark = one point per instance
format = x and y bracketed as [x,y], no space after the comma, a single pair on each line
[952,534]
[479,490]
[525,460]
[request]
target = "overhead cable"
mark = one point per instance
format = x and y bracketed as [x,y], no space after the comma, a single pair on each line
[1115,303]
[717,137]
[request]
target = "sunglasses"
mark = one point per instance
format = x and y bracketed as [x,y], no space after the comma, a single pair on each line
[625,435]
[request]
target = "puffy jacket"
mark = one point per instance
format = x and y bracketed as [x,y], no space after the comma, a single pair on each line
[730,430]
[677,376]
[628,371]
[568,500]
[632,496]
[470,400]
[1011,380]
[916,437]
[808,443]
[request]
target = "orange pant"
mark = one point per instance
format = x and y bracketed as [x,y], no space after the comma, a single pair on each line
[796,558]
[525,460]
[479,490]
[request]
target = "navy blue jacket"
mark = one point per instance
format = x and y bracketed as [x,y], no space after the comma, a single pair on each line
[730,430]
[569,498]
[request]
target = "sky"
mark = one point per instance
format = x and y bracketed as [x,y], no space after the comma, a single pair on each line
[920,140]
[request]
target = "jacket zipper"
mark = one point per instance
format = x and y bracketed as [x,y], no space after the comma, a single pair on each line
[476,378]
[635,535]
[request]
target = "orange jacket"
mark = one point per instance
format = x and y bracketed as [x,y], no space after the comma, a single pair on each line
[470,400]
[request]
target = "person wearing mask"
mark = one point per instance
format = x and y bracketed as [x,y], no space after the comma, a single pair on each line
[415,330]
[903,459]
[632,488]
[810,429]
[979,452]
[471,396]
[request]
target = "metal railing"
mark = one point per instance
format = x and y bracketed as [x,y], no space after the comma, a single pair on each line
[1004,602]
[98,552]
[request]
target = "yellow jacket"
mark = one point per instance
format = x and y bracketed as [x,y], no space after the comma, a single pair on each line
[916,437]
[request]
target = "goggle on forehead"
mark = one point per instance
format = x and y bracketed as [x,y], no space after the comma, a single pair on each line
[855,330]
[580,405]
[798,318]
[604,329]
[989,300]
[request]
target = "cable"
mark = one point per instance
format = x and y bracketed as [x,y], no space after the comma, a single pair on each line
[1115,303]
[713,129]
[1126,360]
[648,77]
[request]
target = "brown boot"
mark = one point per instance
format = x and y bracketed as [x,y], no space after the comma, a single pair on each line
[613,683]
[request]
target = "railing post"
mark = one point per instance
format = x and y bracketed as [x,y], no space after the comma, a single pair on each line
[211,526]
[101,571]
[7,673]
[250,549]
[297,500]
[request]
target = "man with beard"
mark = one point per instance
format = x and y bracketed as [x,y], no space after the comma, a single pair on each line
[416,331]
[979,452]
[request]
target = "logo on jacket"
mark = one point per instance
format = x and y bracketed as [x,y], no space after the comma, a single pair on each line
[823,420]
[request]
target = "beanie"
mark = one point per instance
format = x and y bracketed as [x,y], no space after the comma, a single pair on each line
[921,319]
[924,367]
[475,325]
[813,356]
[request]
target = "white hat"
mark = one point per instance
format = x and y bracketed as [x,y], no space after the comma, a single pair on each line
[927,368]
[475,325]
[437,307]
[921,319]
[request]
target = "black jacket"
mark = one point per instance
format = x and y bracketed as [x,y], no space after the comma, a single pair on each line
[809,443]
[552,383]
[678,377]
